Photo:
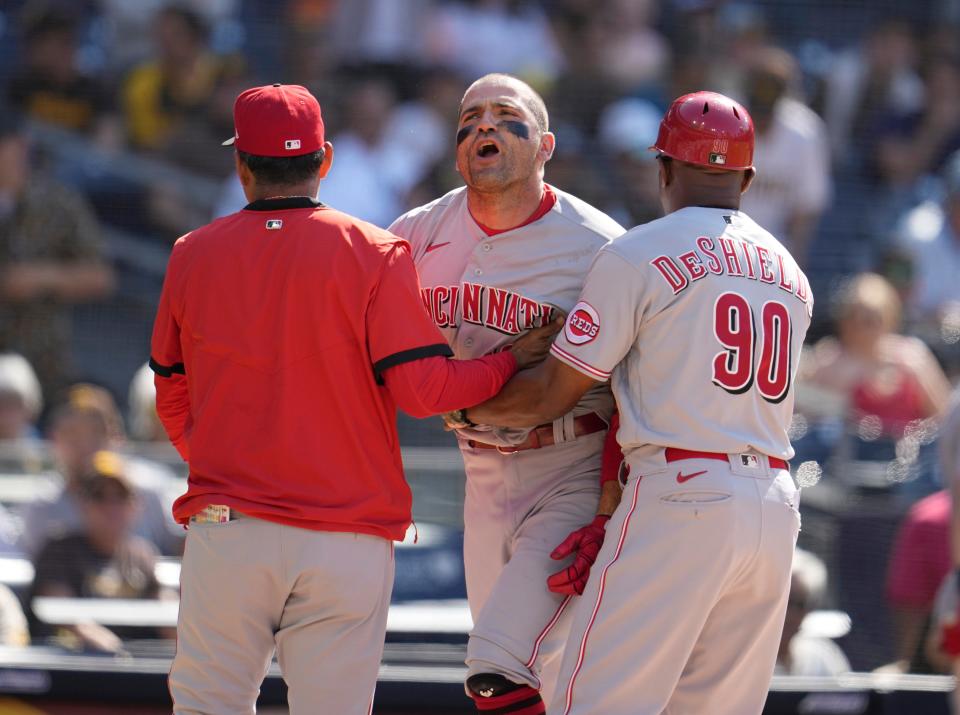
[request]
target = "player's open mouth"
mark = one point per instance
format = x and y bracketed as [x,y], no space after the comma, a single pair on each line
[487,149]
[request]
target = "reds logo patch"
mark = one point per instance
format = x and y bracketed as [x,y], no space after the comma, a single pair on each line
[583,324]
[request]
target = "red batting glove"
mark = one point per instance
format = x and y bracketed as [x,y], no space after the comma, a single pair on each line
[586,542]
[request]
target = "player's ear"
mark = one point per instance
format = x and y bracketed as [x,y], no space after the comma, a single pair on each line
[748,177]
[247,180]
[665,172]
[548,142]
[327,160]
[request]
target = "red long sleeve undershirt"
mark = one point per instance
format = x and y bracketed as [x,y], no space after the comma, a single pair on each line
[434,385]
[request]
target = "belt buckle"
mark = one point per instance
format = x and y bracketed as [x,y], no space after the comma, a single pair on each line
[507,450]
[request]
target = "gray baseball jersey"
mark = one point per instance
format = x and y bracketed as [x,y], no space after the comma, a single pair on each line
[741,305]
[483,291]
[698,319]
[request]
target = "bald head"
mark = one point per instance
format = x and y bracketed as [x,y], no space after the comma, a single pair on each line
[526,94]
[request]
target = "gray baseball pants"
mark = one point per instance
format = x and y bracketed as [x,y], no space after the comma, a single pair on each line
[518,508]
[249,587]
[685,604]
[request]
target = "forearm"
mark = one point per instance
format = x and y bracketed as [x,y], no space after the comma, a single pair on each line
[86,281]
[173,409]
[526,401]
[908,623]
[431,386]
[610,495]
[66,281]
[954,485]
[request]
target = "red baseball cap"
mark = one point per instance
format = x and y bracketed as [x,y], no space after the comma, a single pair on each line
[277,120]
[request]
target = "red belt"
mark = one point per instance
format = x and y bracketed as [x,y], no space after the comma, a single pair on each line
[542,436]
[672,454]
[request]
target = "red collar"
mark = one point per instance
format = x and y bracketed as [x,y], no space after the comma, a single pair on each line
[546,203]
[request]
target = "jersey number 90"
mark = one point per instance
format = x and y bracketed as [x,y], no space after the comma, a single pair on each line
[735,369]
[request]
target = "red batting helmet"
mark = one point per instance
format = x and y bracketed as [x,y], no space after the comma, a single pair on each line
[707,129]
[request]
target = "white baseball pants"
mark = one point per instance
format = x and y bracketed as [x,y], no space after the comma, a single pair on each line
[685,604]
[249,586]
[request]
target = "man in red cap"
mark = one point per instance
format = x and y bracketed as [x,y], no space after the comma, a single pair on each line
[287,335]
[697,320]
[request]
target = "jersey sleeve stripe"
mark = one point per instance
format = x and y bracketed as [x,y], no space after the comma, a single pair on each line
[579,364]
[167,370]
[424,351]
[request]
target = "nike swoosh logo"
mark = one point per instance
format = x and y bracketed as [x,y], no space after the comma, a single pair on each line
[435,246]
[681,477]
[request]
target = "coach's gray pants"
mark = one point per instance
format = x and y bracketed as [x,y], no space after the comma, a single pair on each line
[249,586]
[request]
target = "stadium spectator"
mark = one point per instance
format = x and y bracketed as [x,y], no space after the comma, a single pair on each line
[918,564]
[50,86]
[792,156]
[14,631]
[124,27]
[177,84]
[581,36]
[50,258]
[929,237]
[718,43]
[879,374]
[628,128]
[145,425]
[875,78]
[101,560]
[635,56]
[20,405]
[913,144]
[483,36]
[802,653]
[20,398]
[425,125]
[86,423]
[368,155]
[9,535]
[381,34]
[193,142]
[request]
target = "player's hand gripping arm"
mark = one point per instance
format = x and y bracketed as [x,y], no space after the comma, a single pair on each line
[578,360]
[534,397]
[410,356]
[433,385]
[587,540]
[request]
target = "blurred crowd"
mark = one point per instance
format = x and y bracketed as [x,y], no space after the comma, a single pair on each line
[112,117]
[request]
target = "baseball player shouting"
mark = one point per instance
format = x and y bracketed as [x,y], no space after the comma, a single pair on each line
[286,336]
[496,258]
[697,320]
